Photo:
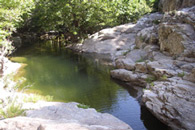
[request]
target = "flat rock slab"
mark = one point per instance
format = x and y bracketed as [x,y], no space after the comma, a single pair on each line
[62,116]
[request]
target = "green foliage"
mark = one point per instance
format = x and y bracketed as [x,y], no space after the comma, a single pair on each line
[152,84]
[83,106]
[71,19]
[164,77]
[12,110]
[75,19]
[150,79]
[181,74]
[10,19]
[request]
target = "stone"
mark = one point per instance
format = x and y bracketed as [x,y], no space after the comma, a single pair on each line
[141,67]
[125,64]
[170,5]
[146,36]
[63,116]
[191,76]
[177,39]
[108,41]
[172,102]
[188,67]
[162,68]
[137,55]
[138,79]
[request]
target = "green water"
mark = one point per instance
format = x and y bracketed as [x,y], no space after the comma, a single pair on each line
[52,70]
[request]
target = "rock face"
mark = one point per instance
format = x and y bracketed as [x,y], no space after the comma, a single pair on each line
[62,116]
[169,5]
[172,101]
[158,53]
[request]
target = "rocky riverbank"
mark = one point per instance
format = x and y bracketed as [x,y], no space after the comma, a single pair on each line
[157,53]
[62,116]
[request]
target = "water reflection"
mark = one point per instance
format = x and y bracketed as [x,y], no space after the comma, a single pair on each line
[52,70]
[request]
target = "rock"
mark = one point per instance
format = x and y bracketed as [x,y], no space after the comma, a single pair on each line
[191,76]
[170,5]
[146,36]
[172,102]
[162,68]
[125,64]
[137,55]
[177,39]
[108,41]
[188,67]
[141,67]
[137,79]
[63,116]
[25,123]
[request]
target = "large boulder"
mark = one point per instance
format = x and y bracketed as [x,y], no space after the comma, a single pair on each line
[177,39]
[173,102]
[132,78]
[170,5]
[62,116]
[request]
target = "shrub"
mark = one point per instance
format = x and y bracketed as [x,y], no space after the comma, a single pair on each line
[12,110]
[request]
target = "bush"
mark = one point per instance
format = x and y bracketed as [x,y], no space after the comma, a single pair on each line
[12,110]
[75,19]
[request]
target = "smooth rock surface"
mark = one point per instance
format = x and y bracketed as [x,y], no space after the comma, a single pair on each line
[63,116]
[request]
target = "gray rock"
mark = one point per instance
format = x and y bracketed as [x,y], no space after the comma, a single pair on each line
[141,67]
[137,55]
[173,102]
[130,77]
[125,64]
[162,68]
[146,36]
[63,116]
[191,76]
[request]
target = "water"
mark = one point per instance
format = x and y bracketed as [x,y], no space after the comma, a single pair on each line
[52,70]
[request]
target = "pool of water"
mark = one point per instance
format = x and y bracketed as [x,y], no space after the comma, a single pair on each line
[58,72]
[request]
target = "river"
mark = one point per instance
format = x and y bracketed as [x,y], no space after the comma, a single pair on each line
[67,76]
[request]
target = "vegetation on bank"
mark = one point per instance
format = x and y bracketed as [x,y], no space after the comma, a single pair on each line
[11,18]
[71,20]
